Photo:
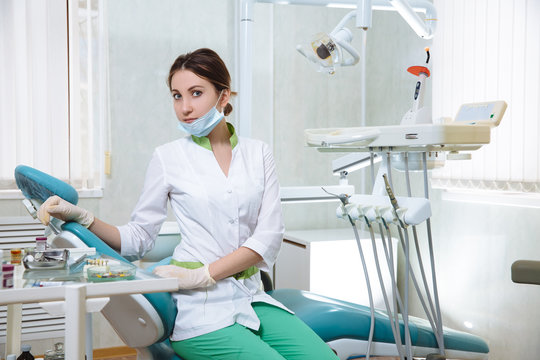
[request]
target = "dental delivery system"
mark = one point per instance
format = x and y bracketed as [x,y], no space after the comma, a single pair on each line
[468,131]
[417,144]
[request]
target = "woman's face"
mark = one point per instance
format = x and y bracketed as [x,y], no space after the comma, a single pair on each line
[194,96]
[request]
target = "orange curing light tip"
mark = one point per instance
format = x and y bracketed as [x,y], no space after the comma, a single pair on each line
[417,70]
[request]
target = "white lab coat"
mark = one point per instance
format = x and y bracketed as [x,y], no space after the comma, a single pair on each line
[216,215]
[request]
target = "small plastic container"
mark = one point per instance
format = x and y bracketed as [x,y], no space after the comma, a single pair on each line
[41,243]
[11,357]
[26,353]
[111,273]
[7,275]
[16,256]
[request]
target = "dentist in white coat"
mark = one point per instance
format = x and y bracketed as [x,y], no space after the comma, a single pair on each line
[224,193]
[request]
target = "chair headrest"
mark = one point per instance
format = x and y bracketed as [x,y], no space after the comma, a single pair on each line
[37,185]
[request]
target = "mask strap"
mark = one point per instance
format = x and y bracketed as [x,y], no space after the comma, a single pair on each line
[219,98]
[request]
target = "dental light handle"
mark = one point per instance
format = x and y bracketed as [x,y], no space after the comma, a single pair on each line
[343,38]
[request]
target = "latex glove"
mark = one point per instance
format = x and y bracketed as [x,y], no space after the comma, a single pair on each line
[187,278]
[64,210]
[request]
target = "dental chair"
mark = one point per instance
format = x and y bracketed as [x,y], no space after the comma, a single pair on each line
[144,322]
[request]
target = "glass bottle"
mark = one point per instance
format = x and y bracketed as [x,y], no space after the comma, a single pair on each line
[26,353]
[41,243]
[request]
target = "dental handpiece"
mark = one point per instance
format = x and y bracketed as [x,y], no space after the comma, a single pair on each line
[393,200]
[390,193]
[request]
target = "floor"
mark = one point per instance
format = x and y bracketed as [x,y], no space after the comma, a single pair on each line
[118,353]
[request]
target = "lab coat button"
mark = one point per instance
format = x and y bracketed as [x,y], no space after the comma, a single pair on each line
[231,221]
[229,191]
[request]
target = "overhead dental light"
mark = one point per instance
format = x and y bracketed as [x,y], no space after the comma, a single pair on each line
[326,51]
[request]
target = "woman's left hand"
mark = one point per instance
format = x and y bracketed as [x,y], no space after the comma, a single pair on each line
[187,278]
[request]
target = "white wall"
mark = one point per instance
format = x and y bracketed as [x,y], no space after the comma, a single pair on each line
[475,244]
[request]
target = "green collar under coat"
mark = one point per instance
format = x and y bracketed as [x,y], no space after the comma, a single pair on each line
[205,142]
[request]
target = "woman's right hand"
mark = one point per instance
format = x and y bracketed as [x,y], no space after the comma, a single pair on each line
[63,210]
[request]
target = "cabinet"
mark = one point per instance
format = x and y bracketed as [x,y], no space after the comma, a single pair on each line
[327,262]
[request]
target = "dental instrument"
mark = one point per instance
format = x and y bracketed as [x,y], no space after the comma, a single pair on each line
[344,198]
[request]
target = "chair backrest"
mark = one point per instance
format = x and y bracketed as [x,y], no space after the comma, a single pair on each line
[139,320]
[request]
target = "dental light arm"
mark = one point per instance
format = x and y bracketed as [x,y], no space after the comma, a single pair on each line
[363,14]
[326,50]
[415,22]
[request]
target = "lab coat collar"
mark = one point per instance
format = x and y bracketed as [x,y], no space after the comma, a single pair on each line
[205,142]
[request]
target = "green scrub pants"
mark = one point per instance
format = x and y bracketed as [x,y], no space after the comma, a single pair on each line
[281,335]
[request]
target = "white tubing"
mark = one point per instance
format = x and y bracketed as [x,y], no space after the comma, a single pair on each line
[430,315]
[432,258]
[390,260]
[405,312]
[383,290]
[396,297]
[370,295]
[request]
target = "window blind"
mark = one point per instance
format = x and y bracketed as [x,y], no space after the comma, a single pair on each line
[490,50]
[33,90]
[53,93]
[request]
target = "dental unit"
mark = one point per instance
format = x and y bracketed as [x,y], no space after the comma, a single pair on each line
[416,144]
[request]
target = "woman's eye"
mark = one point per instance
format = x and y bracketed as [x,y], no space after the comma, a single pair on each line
[197,93]
[177,96]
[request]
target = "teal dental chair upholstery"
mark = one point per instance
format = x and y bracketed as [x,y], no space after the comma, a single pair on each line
[145,322]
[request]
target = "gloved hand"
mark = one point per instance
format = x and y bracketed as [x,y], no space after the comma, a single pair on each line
[187,278]
[63,210]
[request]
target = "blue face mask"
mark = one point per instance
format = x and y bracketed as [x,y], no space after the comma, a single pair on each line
[205,124]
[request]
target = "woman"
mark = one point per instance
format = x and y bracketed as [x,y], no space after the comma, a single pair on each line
[224,194]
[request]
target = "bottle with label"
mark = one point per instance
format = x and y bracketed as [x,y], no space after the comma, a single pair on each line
[16,256]
[7,275]
[41,243]
[26,353]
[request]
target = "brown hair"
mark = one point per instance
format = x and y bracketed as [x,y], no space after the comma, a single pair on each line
[206,64]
